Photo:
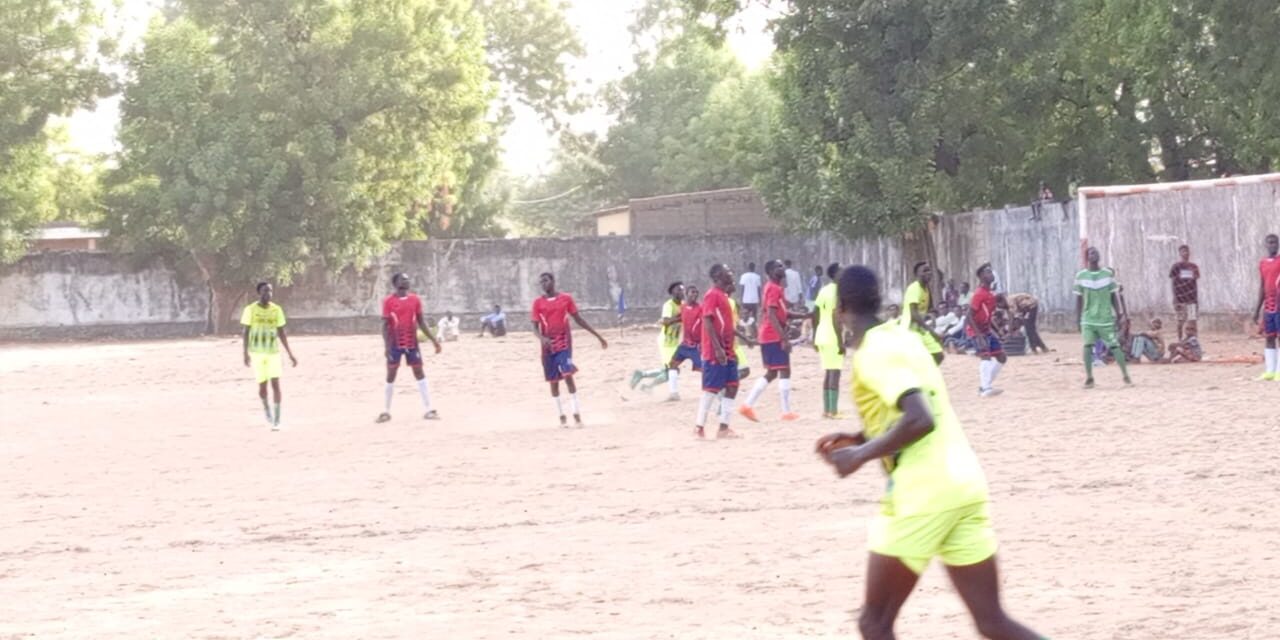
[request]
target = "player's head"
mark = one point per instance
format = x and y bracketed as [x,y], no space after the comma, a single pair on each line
[1273,244]
[817,270]
[401,282]
[547,282]
[691,294]
[448,314]
[676,290]
[1184,252]
[986,275]
[833,270]
[859,293]
[751,266]
[264,292]
[1093,257]
[1190,328]
[497,308]
[1156,324]
[787,263]
[923,272]
[964,287]
[774,270]
[722,277]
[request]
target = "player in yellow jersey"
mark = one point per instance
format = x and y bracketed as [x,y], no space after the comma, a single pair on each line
[829,343]
[916,306]
[263,334]
[668,339]
[936,501]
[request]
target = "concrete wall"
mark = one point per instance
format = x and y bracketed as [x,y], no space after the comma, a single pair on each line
[617,223]
[86,294]
[723,211]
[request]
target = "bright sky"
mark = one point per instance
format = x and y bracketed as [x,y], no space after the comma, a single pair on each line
[601,24]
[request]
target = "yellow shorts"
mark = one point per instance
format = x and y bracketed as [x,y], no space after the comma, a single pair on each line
[740,355]
[667,353]
[831,357]
[931,343]
[266,366]
[960,537]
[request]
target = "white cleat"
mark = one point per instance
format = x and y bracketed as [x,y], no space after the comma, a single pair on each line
[990,393]
[674,397]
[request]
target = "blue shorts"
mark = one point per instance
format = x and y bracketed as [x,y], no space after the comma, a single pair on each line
[411,355]
[718,377]
[686,352]
[558,366]
[988,344]
[1271,324]
[774,357]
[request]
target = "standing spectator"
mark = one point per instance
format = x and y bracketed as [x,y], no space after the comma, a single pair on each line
[750,285]
[793,288]
[950,295]
[1185,275]
[1026,310]
[815,283]
[447,327]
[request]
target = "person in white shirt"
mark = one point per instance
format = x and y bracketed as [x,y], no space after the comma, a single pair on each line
[749,284]
[447,327]
[794,286]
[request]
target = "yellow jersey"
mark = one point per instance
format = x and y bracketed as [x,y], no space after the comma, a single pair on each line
[918,295]
[826,304]
[263,323]
[938,472]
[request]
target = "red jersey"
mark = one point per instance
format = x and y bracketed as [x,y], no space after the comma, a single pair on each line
[552,317]
[716,305]
[691,323]
[772,301]
[403,316]
[982,309]
[1269,269]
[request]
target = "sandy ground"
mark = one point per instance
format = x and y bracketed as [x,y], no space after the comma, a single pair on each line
[144,497]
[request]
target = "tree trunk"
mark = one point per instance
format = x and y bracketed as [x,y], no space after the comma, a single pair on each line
[224,298]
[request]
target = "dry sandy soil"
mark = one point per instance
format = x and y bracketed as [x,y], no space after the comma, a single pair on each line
[144,497]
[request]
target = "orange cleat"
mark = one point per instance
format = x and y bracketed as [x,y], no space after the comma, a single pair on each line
[699,433]
[790,417]
[748,413]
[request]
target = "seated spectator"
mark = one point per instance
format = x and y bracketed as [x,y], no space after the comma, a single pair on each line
[495,323]
[1189,349]
[1148,344]
[447,327]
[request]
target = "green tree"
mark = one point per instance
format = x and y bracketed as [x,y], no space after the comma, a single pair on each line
[49,61]
[728,143]
[261,138]
[558,203]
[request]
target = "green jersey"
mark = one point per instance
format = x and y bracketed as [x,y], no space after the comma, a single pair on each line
[264,324]
[1095,289]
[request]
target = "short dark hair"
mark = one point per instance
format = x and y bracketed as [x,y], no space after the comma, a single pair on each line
[751,266]
[916,269]
[833,270]
[859,290]
[395,279]
[1183,246]
[671,287]
[546,274]
[771,265]
[717,269]
[262,284]
[984,267]
[1272,235]
[786,262]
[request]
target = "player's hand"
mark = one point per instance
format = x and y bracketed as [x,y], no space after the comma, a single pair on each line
[246,359]
[846,460]
[604,344]
[826,444]
[437,344]
[386,353]
[293,360]
[546,342]
[786,345]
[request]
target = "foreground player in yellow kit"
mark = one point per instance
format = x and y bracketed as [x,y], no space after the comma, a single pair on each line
[936,503]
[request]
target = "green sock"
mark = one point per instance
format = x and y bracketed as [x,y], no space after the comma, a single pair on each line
[831,400]
[1088,361]
[277,413]
[1124,369]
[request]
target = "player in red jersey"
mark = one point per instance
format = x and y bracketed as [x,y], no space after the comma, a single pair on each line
[719,361]
[982,309]
[551,313]
[1268,310]
[691,339]
[775,348]
[401,320]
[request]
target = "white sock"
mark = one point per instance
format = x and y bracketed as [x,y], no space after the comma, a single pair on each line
[673,380]
[984,374]
[726,409]
[784,390]
[390,393]
[761,383]
[426,397]
[573,402]
[704,407]
[995,371]
[1272,357]
[559,406]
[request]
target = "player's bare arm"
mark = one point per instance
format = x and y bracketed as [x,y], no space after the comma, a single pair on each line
[284,340]
[388,338]
[1262,296]
[604,344]
[708,320]
[1079,309]
[426,330]
[771,316]
[246,346]
[542,339]
[916,422]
